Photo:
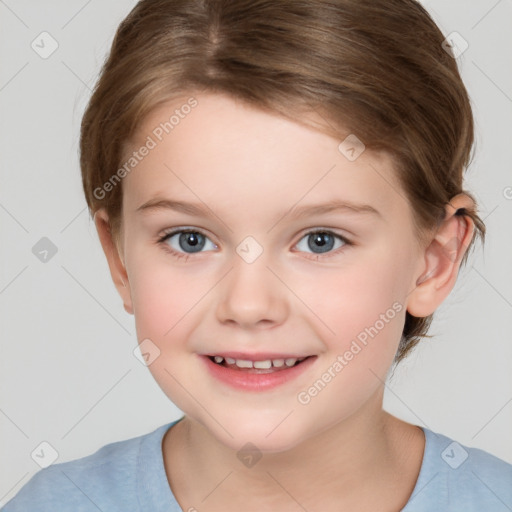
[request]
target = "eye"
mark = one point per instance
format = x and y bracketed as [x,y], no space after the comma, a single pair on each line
[322,242]
[186,241]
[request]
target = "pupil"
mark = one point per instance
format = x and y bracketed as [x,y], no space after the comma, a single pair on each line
[323,240]
[193,240]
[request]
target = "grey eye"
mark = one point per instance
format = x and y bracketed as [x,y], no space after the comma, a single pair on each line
[320,242]
[188,241]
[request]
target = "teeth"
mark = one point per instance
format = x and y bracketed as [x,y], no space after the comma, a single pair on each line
[266,364]
[243,363]
[263,364]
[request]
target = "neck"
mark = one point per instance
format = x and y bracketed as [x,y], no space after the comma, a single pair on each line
[355,463]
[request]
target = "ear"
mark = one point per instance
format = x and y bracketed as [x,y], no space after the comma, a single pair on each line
[114,259]
[442,259]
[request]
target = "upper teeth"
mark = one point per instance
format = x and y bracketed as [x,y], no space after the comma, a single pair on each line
[267,363]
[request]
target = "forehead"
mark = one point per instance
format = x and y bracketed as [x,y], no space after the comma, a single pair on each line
[223,151]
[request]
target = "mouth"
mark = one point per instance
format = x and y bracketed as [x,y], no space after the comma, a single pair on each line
[256,372]
[270,365]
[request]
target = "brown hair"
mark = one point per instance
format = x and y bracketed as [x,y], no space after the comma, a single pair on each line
[374,67]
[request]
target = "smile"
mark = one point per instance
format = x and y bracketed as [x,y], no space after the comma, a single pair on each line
[256,374]
[265,364]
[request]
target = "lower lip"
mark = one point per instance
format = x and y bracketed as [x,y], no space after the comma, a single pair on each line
[250,381]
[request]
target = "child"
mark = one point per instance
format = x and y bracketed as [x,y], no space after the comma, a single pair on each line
[311,153]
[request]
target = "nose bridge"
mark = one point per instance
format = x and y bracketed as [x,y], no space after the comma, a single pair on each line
[251,293]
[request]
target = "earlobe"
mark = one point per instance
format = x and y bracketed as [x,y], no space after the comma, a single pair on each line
[114,260]
[442,259]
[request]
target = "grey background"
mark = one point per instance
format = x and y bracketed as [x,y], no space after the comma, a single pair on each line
[68,375]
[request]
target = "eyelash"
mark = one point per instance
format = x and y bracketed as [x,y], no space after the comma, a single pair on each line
[180,255]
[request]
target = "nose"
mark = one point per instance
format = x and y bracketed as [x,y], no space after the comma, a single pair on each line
[252,296]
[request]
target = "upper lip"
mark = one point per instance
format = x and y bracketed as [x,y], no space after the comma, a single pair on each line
[257,356]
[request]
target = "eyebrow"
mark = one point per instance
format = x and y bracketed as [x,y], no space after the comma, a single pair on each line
[199,210]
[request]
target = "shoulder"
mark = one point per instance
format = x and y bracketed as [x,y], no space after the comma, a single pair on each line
[104,480]
[457,477]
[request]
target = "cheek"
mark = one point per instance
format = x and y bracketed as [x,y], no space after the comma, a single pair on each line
[162,295]
[164,299]
[361,305]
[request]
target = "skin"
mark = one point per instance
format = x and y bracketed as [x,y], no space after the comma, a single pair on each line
[340,451]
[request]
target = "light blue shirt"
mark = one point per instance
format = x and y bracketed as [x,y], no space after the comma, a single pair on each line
[129,476]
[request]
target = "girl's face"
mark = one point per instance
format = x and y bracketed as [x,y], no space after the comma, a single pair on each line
[268,272]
